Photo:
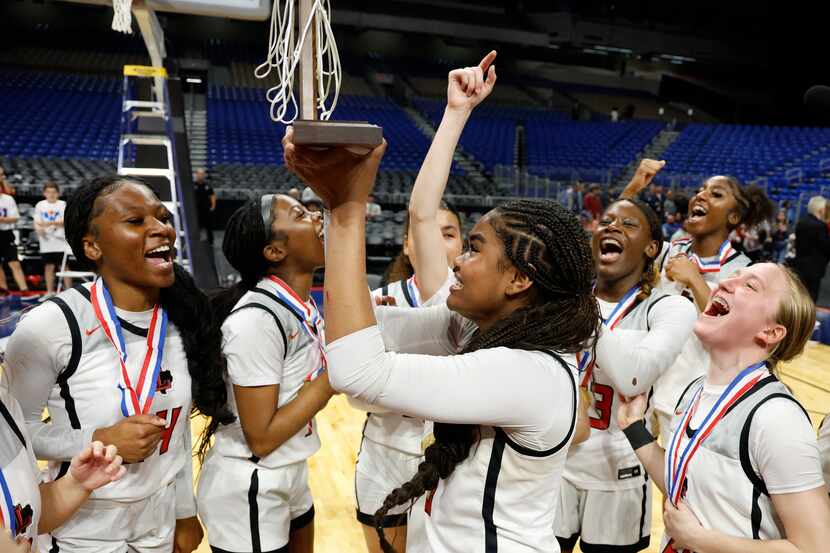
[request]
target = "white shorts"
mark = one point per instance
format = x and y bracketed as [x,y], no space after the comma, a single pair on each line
[103,526]
[603,521]
[381,469]
[245,507]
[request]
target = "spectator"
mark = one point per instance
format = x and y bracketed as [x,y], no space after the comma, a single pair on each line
[592,202]
[312,201]
[615,114]
[655,200]
[205,203]
[5,186]
[671,225]
[8,245]
[295,193]
[49,229]
[572,198]
[372,209]
[669,207]
[812,245]
[780,235]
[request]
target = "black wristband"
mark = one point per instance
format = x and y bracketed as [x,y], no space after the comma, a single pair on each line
[638,435]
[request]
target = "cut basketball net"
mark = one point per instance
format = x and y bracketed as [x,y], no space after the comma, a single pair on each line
[284,56]
[122,18]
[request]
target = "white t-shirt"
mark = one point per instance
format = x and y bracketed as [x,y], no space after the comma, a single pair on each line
[783,452]
[18,469]
[52,239]
[39,360]
[256,356]
[507,490]
[630,358]
[8,208]
[824,448]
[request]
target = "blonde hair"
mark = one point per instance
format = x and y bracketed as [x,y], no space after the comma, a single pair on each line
[797,313]
[816,206]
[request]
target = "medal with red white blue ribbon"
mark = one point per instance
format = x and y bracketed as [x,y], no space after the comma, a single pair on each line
[414,294]
[309,314]
[135,400]
[7,515]
[585,359]
[713,265]
[677,461]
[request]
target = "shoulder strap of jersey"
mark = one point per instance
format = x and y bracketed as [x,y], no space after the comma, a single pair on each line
[406,294]
[12,424]
[276,320]
[686,391]
[72,365]
[743,451]
[277,299]
[126,325]
[548,452]
[651,306]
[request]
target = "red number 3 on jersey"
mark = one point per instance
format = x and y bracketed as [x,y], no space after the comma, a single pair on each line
[603,399]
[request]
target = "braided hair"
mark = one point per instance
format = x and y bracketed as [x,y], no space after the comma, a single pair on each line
[546,243]
[754,206]
[187,307]
[650,276]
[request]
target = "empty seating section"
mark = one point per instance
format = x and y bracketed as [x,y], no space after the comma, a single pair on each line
[59,115]
[559,148]
[750,152]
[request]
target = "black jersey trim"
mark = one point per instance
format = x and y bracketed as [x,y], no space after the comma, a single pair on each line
[72,365]
[126,325]
[12,424]
[491,482]
[273,315]
[253,511]
[302,521]
[409,299]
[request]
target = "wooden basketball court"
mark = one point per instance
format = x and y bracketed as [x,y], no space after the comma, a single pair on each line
[332,468]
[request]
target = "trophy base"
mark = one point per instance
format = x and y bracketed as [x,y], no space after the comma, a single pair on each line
[337,133]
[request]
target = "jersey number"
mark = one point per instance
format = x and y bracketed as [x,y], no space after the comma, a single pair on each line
[168,432]
[603,398]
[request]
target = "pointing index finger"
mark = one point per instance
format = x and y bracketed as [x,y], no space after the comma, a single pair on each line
[488,59]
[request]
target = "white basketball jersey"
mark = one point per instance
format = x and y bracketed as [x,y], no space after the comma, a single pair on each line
[824,449]
[301,357]
[605,461]
[86,395]
[503,496]
[723,487]
[692,361]
[20,493]
[399,432]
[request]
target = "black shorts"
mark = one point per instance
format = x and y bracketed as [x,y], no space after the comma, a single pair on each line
[52,258]
[8,247]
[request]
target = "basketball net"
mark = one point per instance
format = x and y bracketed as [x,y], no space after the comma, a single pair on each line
[284,54]
[122,19]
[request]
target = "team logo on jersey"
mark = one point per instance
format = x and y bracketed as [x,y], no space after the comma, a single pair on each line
[165,381]
[23,517]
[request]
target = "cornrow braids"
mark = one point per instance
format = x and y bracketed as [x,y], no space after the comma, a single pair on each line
[545,242]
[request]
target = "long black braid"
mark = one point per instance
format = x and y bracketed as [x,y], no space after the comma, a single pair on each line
[545,242]
[187,307]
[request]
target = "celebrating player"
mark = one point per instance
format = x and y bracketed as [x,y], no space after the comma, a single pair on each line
[605,496]
[120,361]
[741,472]
[253,490]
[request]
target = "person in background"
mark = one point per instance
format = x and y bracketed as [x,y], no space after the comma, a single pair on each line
[592,202]
[5,186]
[669,207]
[49,229]
[780,235]
[8,243]
[205,203]
[812,245]
[655,200]
[372,208]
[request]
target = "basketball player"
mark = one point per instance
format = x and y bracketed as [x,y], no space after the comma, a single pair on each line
[694,265]
[29,507]
[605,495]
[824,448]
[505,407]
[742,470]
[391,447]
[120,361]
[253,491]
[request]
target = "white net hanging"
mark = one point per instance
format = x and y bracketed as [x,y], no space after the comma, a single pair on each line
[122,18]
[284,52]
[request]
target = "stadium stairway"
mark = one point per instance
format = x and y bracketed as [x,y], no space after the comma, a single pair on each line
[196,121]
[654,150]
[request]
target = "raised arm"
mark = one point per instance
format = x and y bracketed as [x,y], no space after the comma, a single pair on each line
[645,173]
[467,88]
